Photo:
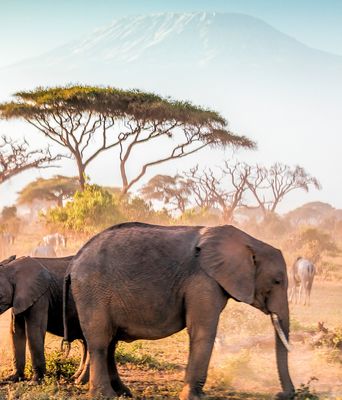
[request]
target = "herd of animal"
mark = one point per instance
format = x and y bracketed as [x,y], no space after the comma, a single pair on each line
[140,281]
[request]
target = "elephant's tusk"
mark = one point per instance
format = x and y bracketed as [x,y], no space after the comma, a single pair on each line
[280,332]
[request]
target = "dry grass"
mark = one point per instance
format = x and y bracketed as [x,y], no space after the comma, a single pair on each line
[243,363]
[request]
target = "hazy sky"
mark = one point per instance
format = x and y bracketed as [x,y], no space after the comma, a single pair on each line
[32,27]
[29,27]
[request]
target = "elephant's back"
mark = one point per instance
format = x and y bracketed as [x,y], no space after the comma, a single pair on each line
[135,243]
[134,256]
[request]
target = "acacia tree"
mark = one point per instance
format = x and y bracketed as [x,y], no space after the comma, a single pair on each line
[89,120]
[269,186]
[16,158]
[171,190]
[56,189]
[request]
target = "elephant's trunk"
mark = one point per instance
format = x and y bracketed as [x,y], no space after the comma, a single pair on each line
[282,336]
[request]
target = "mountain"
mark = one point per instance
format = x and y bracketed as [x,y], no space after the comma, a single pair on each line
[276,90]
[135,51]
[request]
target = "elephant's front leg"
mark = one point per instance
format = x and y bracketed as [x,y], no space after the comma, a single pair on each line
[18,339]
[203,308]
[36,325]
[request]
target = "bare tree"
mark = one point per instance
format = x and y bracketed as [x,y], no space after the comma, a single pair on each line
[236,175]
[16,158]
[222,189]
[270,186]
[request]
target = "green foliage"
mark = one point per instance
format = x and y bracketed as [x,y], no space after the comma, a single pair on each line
[133,354]
[57,367]
[118,103]
[198,216]
[96,208]
[305,393]
[89,211]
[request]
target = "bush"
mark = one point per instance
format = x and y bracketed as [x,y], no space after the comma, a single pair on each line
[95,208]
[310,243]
[198,216]
[89,211]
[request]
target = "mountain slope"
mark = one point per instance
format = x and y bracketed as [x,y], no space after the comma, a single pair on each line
[179,44]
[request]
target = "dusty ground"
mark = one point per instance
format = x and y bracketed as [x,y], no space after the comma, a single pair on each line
[243,363]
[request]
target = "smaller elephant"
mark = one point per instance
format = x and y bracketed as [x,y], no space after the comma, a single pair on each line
[302,275]
[34,288]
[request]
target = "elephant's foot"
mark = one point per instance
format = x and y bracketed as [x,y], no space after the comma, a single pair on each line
[37,379]
[285,395]
[121,389]
[16,377]
[190,394]
[102,392]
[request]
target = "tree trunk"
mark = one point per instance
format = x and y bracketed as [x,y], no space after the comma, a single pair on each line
[60,201]
[81,173]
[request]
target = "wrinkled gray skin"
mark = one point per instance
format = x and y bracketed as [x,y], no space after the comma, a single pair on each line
[302,275]
[139,281]
[34,288]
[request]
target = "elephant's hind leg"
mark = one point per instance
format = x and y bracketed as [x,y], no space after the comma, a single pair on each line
[120,388]
[99,335]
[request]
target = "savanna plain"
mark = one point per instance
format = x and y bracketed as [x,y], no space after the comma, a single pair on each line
[243,362]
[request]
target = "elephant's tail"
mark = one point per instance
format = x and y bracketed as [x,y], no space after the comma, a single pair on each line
[66,297]
[72,327]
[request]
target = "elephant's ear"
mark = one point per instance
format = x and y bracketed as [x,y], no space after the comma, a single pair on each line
[226,255]
[32,280]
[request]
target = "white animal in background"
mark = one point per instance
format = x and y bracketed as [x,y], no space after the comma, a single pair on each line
[44,250]
[7,238]
[56,240]
[302,276]
[6,241]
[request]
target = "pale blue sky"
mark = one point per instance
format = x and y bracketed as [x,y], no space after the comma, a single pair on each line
[30,27]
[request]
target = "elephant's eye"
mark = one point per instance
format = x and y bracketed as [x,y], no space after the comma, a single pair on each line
[277,281]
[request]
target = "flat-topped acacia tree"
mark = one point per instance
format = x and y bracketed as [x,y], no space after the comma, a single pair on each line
[89,120]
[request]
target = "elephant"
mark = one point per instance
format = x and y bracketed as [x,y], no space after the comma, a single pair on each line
[140,281]
[302,275]
[34,288]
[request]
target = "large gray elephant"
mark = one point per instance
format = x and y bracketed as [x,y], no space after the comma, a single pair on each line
[139,281]
[34,288]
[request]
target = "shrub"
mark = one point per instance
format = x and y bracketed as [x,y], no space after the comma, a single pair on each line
[310,243]
[89,211]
